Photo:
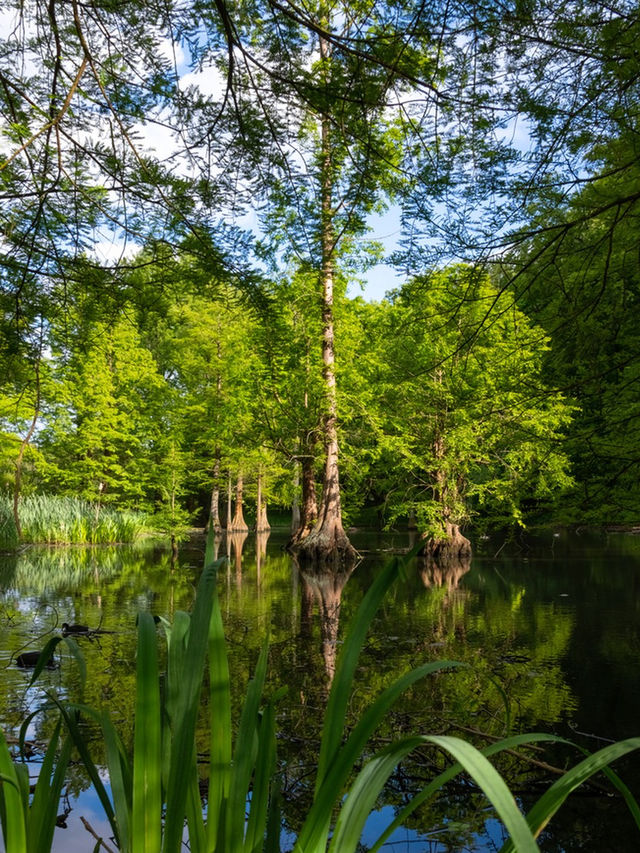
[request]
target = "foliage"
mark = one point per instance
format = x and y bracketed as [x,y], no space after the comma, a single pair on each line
[473,428]
[585,292]
[28,824]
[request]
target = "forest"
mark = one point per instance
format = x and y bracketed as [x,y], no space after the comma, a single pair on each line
[363,274]
[188,198]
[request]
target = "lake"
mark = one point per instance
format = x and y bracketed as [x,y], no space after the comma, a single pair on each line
[549,626]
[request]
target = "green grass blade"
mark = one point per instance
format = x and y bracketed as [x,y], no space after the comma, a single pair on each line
[187,709]
[244,756]
[13,809]
[374,775]
[549,803]
[177,639]
[340,693]
[437,784]
[121,780]
[45,656]
[364,793]
[628,797]
[262,778]
[220,745]
[274,818]
[334,717]
[317,824]
[146,819]
[195,819]
[46,798]
[42,791]
[493,786]
[70,717]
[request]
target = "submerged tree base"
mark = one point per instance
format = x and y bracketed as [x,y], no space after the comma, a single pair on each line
[451,549]
[324,549]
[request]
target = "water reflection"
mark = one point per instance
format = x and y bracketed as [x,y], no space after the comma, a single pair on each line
[262,537]
[449,574]
[557,629]
[324,589]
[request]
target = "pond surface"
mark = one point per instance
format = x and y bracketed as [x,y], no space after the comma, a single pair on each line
[550,628]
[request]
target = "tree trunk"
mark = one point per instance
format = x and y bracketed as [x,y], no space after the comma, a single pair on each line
[452,548]
[295,504]
[327,543]
[262,522]
[214,512]
[238,524]
[309,505]
[229,515]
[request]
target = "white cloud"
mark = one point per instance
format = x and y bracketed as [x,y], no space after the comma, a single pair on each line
[174,52]
[208,80]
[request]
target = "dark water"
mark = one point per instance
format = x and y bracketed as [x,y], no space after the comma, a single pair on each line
[550,628]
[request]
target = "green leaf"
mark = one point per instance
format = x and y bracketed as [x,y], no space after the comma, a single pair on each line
[13,803]
[317,823]
[190,678]
[244,755]
[46,797]
[551,800]
[146,819]
[220,744]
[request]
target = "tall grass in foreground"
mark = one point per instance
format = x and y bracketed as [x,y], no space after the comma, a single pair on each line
[49,519]
[155,790]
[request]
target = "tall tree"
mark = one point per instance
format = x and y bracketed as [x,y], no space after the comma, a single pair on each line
[471,427]
[586,296]
[105,433]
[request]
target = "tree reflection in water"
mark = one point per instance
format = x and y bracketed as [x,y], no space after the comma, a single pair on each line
[323,588]
[235,541]
[438,574]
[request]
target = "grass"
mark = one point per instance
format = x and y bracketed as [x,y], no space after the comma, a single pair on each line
[49,519]
[155,789]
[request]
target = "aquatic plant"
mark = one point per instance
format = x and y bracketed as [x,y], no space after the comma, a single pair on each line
[28,823]
[50,519]
[157,786]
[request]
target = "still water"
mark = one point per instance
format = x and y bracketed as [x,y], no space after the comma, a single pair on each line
[549,626]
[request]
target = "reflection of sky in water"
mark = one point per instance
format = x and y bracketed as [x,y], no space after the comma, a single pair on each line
[405,840]
[76,838]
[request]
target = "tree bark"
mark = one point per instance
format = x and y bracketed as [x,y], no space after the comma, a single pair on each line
[238,524]
[214,512]
[308,506]
[327,543]
[295,503]
[262,522]
[451,548]
[229,514]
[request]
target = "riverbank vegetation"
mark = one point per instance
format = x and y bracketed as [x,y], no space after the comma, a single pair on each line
[56,520]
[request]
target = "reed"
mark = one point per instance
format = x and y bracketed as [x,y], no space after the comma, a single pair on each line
[156,794]
[50,519]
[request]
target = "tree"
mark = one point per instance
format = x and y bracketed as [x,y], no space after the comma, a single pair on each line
[586,297]
[470,427]
[104,419]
